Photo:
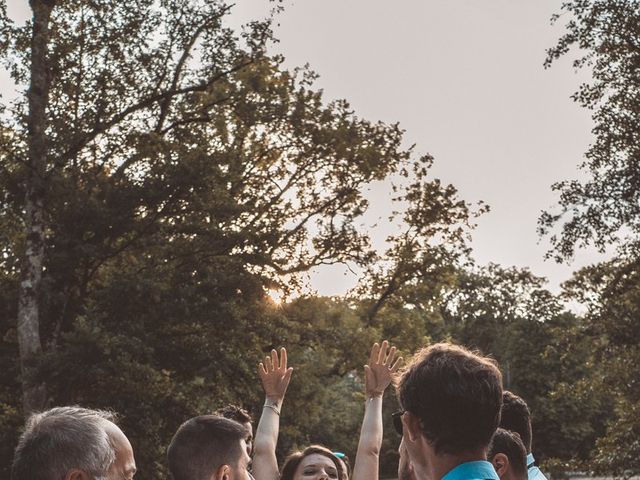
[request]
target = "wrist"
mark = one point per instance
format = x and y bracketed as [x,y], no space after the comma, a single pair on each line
[371,395]
[273,401]
[271,406]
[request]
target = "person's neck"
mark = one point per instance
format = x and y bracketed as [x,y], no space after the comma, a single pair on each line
[439,465]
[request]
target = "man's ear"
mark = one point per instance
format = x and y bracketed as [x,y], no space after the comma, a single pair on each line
[76,474]
[411,424]
[223,473]
[501,463]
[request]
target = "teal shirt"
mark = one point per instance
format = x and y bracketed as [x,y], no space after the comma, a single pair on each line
[480,470]
[533,471]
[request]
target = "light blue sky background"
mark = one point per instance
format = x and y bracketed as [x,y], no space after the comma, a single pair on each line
[465,80]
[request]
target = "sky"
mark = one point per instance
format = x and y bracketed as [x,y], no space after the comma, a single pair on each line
[465,80]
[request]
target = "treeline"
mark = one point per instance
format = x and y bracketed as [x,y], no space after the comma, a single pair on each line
[159,348]
[162,173]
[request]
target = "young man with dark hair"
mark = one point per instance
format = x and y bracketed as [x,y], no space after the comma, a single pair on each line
[209,447]
[517,418]
[508,455]
[451,400]
[240,415]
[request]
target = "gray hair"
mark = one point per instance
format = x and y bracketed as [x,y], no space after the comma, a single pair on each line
[62,439]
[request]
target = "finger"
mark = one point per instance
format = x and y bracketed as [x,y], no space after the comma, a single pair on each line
[396,365]
[367,373]
[274,359]
[383,352]
[375,351]
[389,360]
[261,370]
[283,358]
[268,364]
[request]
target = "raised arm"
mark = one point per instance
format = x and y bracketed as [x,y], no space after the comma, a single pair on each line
[377,377]
[275,377]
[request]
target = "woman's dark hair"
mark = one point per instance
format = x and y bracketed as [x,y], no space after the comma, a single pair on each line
[292,461]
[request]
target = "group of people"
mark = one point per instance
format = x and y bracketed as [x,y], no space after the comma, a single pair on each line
[456,423]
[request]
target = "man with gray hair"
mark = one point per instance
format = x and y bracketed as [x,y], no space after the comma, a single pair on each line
[73,443]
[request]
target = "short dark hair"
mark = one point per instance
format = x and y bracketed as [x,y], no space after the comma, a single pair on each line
[61,439]
[516,417]
[293,460]
[511,445]
[456,394]
[233,412]
[202,445]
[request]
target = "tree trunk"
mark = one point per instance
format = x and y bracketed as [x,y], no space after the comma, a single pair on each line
[33,390]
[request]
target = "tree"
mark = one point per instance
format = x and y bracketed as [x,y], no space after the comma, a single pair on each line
[119,117]
[87,81]
[185,173]
[604,208]
[611,293]
[421,259]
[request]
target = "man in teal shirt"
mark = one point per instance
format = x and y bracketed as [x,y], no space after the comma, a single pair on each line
[451,400]
[517,418]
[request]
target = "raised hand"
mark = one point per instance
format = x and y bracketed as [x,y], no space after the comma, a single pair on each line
[275,375]
[378,373]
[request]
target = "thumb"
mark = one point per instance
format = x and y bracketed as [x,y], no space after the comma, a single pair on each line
[287,374]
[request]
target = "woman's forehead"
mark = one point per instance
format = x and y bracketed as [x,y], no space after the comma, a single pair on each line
[317,459]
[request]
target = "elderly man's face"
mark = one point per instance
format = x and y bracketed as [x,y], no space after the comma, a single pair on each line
[124,466]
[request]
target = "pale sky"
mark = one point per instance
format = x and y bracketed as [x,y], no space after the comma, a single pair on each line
[465,80]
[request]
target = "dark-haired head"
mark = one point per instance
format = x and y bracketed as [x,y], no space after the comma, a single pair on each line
[233,412]
[208,446]
[455,394]
[508,455]
[311,458]
[240,415]
[516,417]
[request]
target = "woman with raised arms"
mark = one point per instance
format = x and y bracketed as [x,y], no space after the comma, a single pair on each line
[317,462]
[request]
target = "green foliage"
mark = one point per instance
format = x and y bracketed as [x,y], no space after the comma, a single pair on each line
[612,293]
[187,173]
[509,314]
[542,348]
[602,209]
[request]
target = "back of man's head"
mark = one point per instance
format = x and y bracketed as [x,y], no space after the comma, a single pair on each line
[204,444]
[510,445]
[456,394]
[63,439]
[516,417]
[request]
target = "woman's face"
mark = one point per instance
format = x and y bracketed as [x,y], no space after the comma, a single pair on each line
[316,467]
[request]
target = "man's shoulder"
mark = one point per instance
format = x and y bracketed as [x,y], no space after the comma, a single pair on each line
[478,470]
[534,473]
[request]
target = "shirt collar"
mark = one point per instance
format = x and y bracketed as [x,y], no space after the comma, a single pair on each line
[472,470]
[530,460]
